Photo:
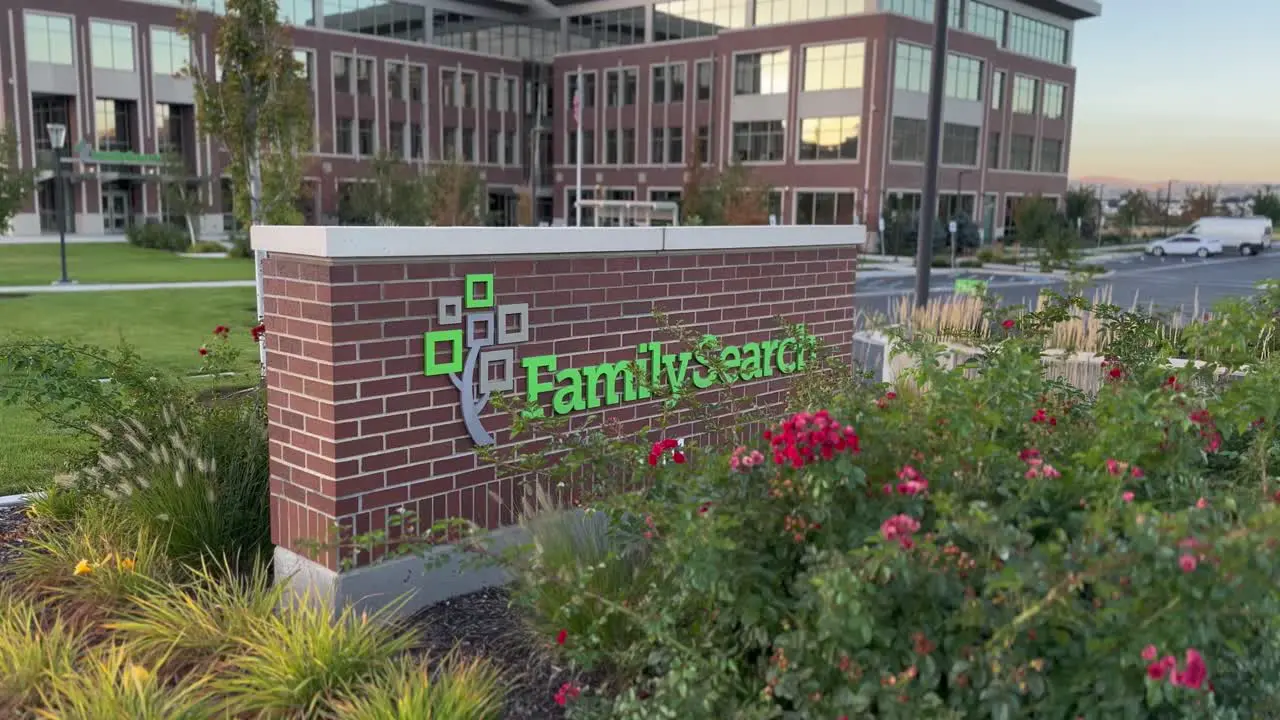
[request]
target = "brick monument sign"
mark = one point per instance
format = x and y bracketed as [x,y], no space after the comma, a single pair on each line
[385,347]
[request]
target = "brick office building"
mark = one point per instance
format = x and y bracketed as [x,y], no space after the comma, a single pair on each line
[824,99]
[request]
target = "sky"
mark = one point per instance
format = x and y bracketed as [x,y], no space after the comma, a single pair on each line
[1179,90]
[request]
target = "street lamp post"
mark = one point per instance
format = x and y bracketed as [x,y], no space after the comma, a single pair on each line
[57,139]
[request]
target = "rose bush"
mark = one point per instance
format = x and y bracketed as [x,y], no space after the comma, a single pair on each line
[998,545]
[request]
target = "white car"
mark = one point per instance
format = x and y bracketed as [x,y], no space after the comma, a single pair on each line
[1185,245]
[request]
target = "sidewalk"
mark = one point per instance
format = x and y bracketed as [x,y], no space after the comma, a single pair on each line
[118,287]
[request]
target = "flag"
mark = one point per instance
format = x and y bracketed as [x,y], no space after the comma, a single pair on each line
[577,108]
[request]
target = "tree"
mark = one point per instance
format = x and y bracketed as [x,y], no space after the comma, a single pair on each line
[456,194]
[1082,206]
[258,109]
[395,194]
[1136,208]
[1266,203]
[524,206]
[16,183]
[183,196]
[1200,202]
[732,197]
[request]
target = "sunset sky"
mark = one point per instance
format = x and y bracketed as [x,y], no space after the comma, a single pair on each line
[1179,89]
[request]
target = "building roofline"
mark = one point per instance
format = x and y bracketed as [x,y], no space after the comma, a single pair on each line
[1069,9]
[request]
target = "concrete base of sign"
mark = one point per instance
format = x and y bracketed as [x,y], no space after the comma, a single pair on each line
[427,578]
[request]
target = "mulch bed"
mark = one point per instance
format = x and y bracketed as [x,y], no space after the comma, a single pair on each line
[482,624]
[12,522]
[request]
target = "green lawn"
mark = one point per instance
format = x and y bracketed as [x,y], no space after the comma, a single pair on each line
[165,327]
[112,263]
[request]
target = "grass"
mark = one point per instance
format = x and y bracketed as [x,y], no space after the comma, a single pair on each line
[164,327]
[38,264]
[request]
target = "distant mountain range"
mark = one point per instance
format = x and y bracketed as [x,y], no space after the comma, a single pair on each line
[1116,186]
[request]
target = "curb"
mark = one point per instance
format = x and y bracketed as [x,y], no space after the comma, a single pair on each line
[19,500]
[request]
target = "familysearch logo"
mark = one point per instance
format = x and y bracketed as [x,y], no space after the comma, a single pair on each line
[482,344]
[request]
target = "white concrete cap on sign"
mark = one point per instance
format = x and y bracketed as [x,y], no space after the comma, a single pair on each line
[447,242]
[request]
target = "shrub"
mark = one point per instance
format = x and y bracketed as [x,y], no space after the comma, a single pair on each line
[573,549]
[995,545]
[307,657]
[109,685]
[196,477]
[158,236]
[207,246]
[36,646]
[412,690]
[240,247]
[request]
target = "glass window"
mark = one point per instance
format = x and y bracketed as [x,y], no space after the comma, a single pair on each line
[1021,148]
[1050,155]
[405,21]
[510,95]
[115,124]
[759,141]
[1054,100]
[612,88]
[630,78]
[395,139]
[824,207]
[415,141]
[112,45]
[588,89]
[48,38]
[491,93]
[681,19]
[834,67]
[588,148]
[449,88]
[960,144]
[704,144]
[468,85]
[511,149]
[1025,90]
[1037,39]
[468,144]
[923,10]
[628,146]
[368,138]
[493,148]
[993,150]
[775,12]
[997,89]
[658,84]
[611,143]
[911,67]
[306,65]
[609,28]
[987,21]
[449,142]
[170,51]
[705,71]
[342,73]
[416,89]
[829,138]
[964,77]
[395,80]
[763,73]
[668,83]
[658,145]
[344,141]
[667,146]
[297,12]
[907,142]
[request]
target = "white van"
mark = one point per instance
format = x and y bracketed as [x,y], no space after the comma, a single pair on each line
[1246,235]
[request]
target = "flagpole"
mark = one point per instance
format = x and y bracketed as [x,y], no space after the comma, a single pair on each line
[577,117]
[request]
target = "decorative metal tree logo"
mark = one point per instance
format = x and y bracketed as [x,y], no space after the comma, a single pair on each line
[486,328]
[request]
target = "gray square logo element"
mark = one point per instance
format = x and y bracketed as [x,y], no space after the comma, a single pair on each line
[449,310]
[514,314]
[474,323]
[507,381]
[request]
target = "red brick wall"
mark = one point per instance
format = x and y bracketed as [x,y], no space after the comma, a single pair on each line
[358,431]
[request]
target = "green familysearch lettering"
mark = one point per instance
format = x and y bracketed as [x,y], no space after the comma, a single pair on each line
[575,389]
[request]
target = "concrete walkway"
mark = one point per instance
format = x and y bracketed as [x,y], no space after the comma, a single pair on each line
[118,287]
[53,239]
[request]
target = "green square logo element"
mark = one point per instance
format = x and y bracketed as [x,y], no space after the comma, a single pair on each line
[430,352]
[483,283]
